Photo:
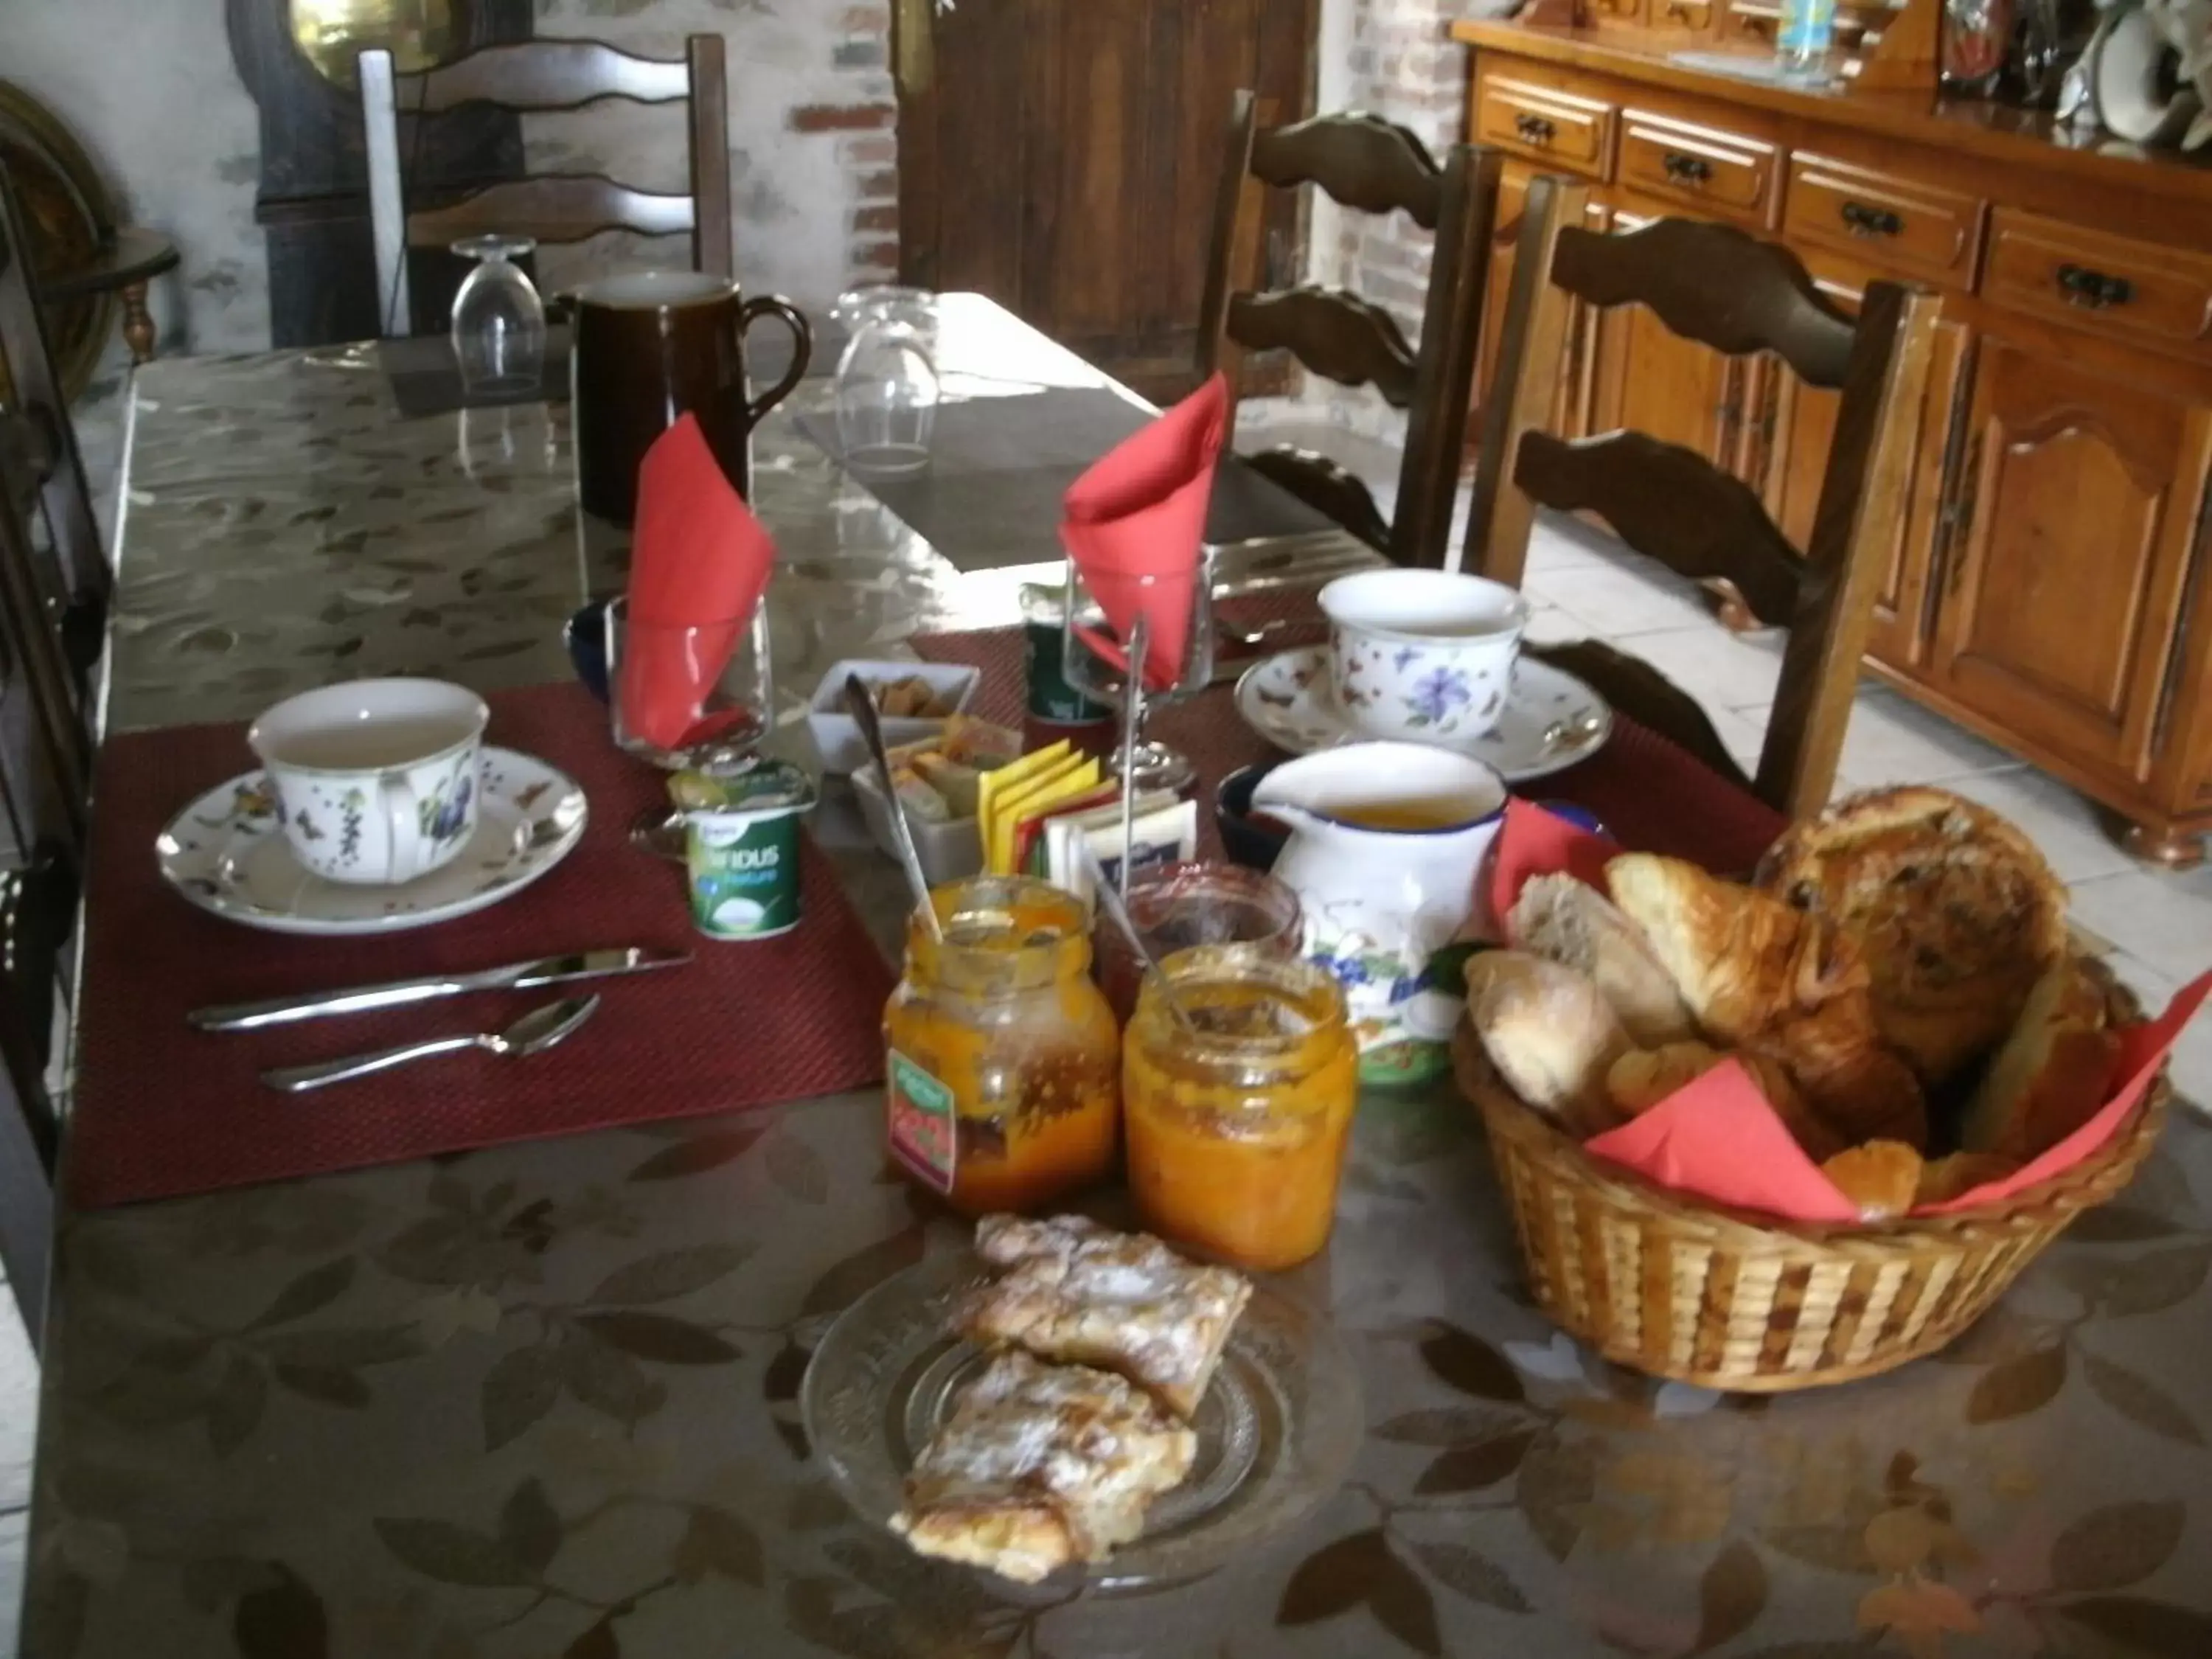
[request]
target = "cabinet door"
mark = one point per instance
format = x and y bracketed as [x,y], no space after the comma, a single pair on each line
[1787,457]
[1647,380]
[2078,498]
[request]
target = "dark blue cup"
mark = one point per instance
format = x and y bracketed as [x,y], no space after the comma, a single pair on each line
[1254,843]
[585,636]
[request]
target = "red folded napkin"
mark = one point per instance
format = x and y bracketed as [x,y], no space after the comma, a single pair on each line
[1716,1137]
[699,564]
[1134,525]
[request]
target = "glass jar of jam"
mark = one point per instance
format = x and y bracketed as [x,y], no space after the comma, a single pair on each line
[1176,906]
[1237,1121]
[1004,1069]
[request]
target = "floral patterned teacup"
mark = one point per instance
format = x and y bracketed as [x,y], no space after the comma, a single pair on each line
[375,781]
[1422,655]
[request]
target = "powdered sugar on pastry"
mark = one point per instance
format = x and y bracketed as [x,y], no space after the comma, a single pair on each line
[1074,1291]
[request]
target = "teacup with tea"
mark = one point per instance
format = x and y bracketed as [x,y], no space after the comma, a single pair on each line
[375,781]
[1422,655]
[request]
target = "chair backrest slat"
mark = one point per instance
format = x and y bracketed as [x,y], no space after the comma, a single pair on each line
[550,75]
[1336,334]
[1362,161]
[539,75]
[1369,165]
[552,207]
[1729,291]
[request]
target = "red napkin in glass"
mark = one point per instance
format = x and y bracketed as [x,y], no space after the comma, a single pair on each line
[699,564]
[1134,525]
[1716,1136]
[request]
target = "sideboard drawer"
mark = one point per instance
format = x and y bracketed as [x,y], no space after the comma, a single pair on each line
[1710,169]
[1694,15]
[1539,121]
[1899,226]
[1751,22]
[2111,285]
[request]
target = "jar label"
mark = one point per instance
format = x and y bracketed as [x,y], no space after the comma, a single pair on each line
[924,1127]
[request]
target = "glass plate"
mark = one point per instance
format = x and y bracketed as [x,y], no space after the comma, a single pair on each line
[1276,1431]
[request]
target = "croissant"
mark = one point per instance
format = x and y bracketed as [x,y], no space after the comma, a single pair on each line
[1762,976]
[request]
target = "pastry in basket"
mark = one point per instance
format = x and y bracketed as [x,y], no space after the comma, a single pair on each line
[1642,1077]
[1942,1179]
[1575,925]
[1040,1466]
[1954,910]
[1550,1034]
[1075,1292]
[1762,976]
[2054,1070]
[1881,1177]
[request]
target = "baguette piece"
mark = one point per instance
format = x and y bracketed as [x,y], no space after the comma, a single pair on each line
[1762,976]
[1573,924]
[1040,1466]
[1954,911]
[1077,1292]
[2050,1075]
[1550,1033]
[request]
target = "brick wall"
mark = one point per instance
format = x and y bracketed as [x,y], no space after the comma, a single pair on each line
[863,124]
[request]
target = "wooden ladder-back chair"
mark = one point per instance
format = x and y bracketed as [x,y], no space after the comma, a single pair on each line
[1365,163]
[538,76]
[63,568]
[1729,290]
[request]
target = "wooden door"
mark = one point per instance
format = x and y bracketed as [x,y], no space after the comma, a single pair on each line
[1787,459]
[2076,504]
[1063,159]
[1647,380]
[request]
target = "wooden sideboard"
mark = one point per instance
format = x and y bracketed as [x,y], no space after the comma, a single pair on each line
[2047,586]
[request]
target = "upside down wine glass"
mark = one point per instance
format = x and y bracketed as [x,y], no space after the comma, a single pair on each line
[499,321]
[1093,665]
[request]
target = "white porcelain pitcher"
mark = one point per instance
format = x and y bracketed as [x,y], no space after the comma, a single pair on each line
[1382,903]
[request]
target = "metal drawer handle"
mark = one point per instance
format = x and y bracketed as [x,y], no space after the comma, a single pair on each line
[1535,129]
[1687,169]
[2093,289]
[1866,220]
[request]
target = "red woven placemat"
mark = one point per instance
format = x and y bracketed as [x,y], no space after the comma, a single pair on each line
[162,1109]
[1651,796]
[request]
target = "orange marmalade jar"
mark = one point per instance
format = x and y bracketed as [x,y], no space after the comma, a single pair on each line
[1238,1128]
[1003,1074]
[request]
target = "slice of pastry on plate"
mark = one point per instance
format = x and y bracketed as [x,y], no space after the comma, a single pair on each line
[1040,1466]
[1072,1291]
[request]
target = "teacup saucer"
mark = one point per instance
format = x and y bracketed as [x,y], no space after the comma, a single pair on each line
[1552,719]
[226,853]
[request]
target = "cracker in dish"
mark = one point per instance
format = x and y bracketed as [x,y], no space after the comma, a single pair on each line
[1040,1466]
[1071,1291]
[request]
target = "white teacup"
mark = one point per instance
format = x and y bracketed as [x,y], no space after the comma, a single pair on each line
[375,779]
[1422,655]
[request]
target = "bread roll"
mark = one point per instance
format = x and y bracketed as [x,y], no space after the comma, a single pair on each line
[1943,1179]
[1882,1178]
[1776,982]
[1549,1033]
[2051,1074]
[1577,926]
[1954,910]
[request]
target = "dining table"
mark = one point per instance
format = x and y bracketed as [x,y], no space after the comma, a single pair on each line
[545,1396]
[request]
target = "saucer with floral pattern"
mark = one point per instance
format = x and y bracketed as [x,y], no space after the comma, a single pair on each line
[1552,719]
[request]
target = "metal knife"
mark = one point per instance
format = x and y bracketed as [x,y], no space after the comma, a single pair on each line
[516,976]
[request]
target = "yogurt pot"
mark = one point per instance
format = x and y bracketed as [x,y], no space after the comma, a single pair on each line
[741,853]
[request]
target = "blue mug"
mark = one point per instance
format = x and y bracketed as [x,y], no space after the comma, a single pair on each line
[585,636]
[1581,817]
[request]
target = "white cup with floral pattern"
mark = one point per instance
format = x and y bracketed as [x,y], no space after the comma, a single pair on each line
[375,781]
[1425,656]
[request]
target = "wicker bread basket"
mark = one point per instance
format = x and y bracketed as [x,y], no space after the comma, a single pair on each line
[1678,1287]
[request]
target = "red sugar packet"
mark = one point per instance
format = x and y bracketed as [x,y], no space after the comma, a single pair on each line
[1134,525]
[1716,1138]
[699,565]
